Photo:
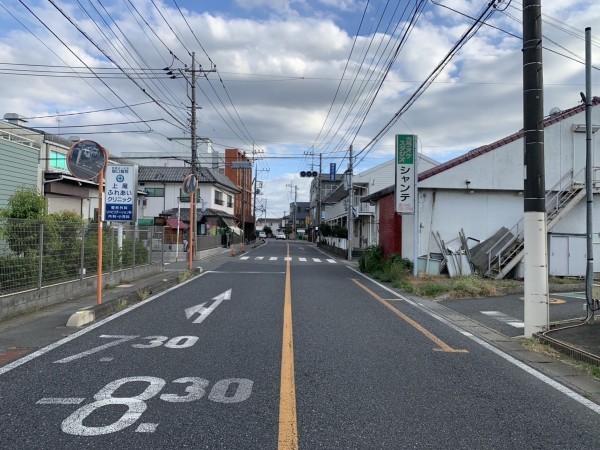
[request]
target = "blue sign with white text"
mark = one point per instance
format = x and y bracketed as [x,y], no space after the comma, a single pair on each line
[332,170]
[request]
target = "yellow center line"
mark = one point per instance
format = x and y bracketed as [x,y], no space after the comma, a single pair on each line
[443,347]
[288,425]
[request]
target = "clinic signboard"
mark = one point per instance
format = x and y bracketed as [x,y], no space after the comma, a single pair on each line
[120,195]
[406,173]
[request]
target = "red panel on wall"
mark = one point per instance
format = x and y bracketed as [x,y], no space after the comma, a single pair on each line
[390,226]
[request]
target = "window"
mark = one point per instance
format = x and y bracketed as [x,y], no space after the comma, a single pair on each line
[229,201]
[185,198]
[218,197]
[58,161]
[155,192]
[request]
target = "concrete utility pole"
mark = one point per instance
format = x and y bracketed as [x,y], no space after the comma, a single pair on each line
[536,259]
[350,205]
[195,168]
[589,162]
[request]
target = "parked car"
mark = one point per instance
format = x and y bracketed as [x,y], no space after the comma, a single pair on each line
[280,236]
[262,235]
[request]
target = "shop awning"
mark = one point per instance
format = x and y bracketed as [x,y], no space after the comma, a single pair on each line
[236,230]
[172,223]
[229,222]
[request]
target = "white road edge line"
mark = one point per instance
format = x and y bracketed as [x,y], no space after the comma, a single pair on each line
[531,371]
[57,344]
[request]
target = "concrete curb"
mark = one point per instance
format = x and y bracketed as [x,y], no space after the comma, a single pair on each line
[90,314]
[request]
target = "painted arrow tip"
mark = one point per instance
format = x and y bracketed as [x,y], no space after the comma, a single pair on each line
[224,296]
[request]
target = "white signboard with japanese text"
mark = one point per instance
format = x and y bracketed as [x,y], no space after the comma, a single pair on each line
[406,173]
[120,193]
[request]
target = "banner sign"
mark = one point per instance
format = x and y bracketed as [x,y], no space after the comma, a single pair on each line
[120,193]
[406,176]
[332,170]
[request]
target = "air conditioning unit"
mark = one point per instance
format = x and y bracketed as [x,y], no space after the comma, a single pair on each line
[144,203]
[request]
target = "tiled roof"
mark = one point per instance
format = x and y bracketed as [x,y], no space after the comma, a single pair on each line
[177,174]
[513,137]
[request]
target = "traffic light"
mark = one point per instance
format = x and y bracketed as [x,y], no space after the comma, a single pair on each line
[308,173]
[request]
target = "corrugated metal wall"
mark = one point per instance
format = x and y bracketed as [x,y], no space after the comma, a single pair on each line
[18,168]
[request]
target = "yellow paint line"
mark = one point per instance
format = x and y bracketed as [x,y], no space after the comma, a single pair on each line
[443,347]
[288,424]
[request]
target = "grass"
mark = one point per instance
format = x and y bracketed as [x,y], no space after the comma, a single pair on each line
[143,294]
[398,272]
[185,275]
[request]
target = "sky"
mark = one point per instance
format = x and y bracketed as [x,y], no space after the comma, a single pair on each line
[295,82]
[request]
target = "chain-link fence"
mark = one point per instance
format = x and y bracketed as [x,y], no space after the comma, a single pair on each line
[35,254]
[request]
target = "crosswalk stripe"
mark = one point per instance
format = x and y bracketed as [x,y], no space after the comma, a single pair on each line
[331,261]
[245,257]
[316,260]
[259,258]
[504,318]
[273,258]
[302,259]
[287,258]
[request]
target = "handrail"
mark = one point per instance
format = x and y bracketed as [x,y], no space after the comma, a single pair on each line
[554,202]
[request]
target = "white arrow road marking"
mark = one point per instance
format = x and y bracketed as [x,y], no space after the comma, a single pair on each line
[204,311]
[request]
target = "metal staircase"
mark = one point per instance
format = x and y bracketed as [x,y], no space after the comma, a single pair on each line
[510,249]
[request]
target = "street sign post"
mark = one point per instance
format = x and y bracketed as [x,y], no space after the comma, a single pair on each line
[120,193]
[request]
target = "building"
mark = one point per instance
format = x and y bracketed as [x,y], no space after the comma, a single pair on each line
[32,158]
[165,197]
[476,201]
[238,168]
[335,204]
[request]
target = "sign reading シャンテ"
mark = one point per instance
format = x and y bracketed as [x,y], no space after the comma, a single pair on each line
[120,193]
[406,177]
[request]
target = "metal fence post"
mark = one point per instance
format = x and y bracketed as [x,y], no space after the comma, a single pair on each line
[81,268]
[133,245]
[41,257]
[112,248]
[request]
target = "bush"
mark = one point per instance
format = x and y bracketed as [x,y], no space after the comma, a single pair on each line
[372,260]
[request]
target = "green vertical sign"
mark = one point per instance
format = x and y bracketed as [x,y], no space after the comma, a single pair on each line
[405,148]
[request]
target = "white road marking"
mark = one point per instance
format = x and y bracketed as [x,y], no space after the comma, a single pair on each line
[244,257]
[316,260]
[332,261]
[540,376]
[93,326]
[504,318]
[258,258]
[273,258]
[60,401]
[108,359]
[203,311]
[287,258]
[146,428]
[302,259]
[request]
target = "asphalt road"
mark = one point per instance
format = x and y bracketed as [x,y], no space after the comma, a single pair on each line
[283,347]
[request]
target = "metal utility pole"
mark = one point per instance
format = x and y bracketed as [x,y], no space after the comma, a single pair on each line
[536,260]
[589,162]
[195,168]
[319,191]
[350,205]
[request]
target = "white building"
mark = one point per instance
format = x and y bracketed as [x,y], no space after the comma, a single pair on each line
[481,193]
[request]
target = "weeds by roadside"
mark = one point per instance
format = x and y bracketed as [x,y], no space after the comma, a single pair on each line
[185,275]
[398,271]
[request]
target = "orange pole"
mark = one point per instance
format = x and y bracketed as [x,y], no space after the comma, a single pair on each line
[191,230]
[100,205]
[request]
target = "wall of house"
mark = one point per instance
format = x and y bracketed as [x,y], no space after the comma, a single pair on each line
[19,167]
[478,214]
[390,226]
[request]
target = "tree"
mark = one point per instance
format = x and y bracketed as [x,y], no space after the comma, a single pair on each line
[25,203]
[23,207]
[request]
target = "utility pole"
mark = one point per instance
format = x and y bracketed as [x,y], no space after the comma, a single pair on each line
[535,260]
[350,205]
[195,168]
[318,221]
